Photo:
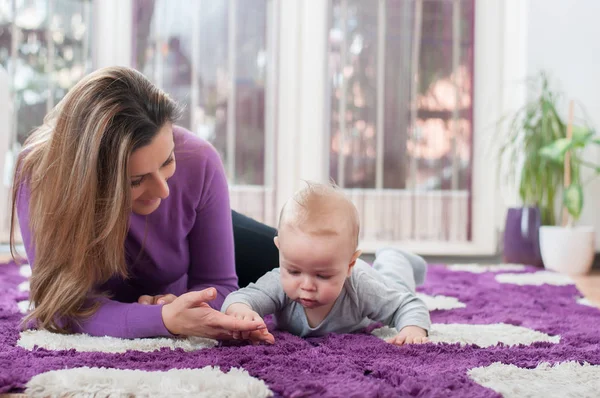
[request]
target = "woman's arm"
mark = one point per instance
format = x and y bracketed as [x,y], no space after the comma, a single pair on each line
[212,260]
[112,317]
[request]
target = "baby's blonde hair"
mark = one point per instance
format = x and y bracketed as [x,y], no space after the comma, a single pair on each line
[321,210]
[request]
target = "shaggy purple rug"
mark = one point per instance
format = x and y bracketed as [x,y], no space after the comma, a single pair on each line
[360,365]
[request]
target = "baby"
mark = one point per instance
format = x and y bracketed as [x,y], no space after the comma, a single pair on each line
[321,286]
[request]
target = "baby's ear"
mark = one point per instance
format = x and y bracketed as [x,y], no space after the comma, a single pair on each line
[355,257]
[276,240]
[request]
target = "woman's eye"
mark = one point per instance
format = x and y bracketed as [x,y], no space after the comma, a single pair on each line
[136,183]
[169,161]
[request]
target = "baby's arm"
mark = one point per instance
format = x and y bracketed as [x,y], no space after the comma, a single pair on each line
[410,335]
[384,301]
[244,312]
[256,300]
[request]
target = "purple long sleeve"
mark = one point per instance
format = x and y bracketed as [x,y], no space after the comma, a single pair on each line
[186,244]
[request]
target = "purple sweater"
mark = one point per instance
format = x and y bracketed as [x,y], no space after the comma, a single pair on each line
[188,245]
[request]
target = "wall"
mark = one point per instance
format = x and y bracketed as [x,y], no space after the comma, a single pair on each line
[562,38]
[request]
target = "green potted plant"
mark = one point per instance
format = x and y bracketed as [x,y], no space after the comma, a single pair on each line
[532,127]
[568,248]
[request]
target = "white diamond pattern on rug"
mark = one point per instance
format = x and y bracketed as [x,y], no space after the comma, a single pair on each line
[101,382]
[567,379]
[481,268]
[586,302]
[535,279]
[440,302]
[86,343]
[480,335]
[24,286]
[25,270]
[23,306]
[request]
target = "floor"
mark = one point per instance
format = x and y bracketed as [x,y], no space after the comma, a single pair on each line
[589,285]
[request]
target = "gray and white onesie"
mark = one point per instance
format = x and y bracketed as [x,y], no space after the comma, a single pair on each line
[383,293]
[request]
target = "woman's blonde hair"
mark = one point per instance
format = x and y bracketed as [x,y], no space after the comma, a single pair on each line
[75,167]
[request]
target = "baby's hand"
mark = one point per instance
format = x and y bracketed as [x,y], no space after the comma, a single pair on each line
[410,335]
[244,312]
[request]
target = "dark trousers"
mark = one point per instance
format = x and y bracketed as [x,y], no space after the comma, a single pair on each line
[255,251]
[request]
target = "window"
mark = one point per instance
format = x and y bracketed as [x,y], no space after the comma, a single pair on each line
[44,50]
[212,57]
[401,75]
[45,47]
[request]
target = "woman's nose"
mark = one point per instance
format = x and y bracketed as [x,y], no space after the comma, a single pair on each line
[161,187]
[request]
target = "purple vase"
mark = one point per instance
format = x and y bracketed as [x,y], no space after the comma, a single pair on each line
[521,236]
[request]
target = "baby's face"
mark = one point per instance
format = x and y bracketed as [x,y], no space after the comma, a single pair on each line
[313,268]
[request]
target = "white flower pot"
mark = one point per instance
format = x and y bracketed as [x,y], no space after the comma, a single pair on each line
[568,250]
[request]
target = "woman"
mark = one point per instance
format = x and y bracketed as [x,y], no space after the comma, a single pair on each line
[125,218]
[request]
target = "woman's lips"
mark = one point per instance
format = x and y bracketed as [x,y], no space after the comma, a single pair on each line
[147,202]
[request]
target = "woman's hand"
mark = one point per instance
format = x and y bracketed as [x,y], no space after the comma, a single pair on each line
[158,299]
[189,315]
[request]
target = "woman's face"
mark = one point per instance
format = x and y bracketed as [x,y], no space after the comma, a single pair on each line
[149,169]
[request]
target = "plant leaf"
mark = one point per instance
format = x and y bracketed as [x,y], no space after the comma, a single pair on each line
[581,136]
[573,200]
[556,151]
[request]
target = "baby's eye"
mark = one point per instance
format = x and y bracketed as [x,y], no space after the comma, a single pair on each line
[293,272]
[325,277]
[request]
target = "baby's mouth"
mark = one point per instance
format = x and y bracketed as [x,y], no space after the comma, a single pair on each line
[307,302]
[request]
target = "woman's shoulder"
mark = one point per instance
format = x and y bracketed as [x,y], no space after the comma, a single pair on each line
[199,173]
[194,153]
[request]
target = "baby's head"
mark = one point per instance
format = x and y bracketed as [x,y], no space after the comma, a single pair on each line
[317,241]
